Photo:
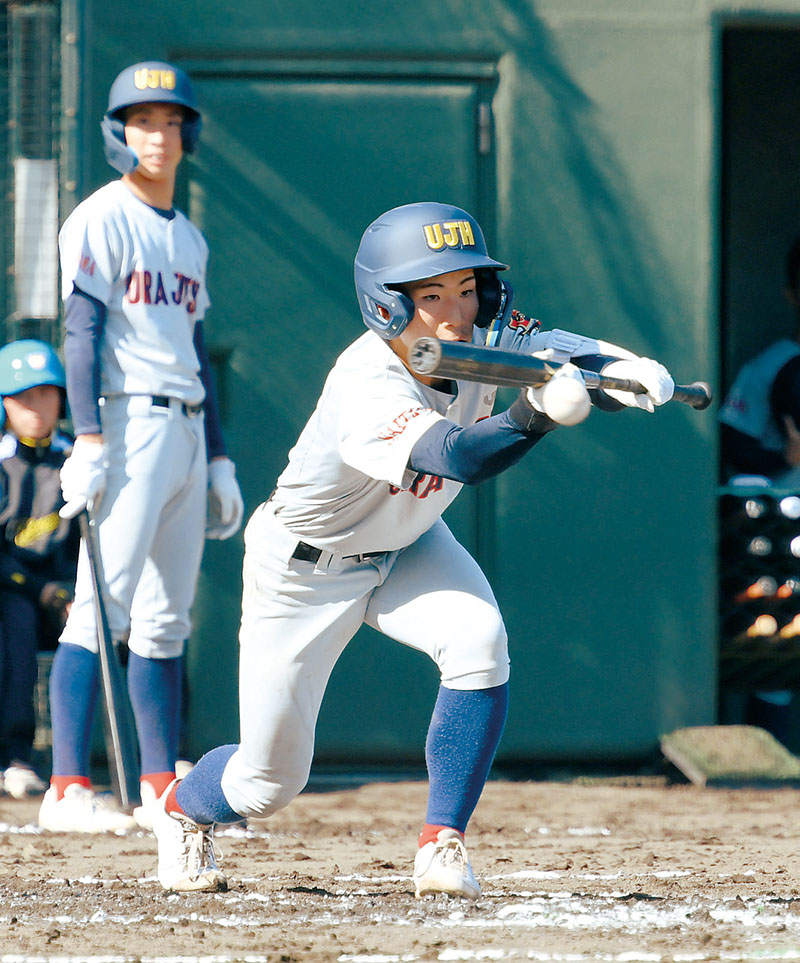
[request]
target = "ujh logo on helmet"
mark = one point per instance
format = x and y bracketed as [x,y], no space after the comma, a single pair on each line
[449,234]
[145,79]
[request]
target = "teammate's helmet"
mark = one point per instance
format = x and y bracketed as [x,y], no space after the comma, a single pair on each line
[145,83]
[27,364]
[419,241]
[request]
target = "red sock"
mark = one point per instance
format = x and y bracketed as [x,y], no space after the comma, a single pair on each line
[171,804]
[430,832]
[61,783]
[159,781]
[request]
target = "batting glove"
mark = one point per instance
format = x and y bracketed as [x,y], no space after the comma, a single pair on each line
[564,398]
[83,477]
[653,377]
[226,505]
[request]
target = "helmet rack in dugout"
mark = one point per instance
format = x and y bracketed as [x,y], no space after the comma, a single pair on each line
[759,588]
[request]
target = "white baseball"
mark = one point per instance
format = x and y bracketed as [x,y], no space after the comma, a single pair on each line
[566,401]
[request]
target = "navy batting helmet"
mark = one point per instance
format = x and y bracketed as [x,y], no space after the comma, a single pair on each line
[419,241]
[145,83]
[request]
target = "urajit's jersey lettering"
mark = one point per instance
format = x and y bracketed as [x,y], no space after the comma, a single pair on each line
[150,272]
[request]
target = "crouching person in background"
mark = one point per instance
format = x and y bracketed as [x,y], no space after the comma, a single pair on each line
[38,549]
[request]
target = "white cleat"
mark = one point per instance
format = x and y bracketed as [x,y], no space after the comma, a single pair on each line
[186,860]
[183,767]
[21,781]
[81,811]
[443,867]
[144,814]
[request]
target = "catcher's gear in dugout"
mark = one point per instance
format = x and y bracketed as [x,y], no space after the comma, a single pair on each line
[28,364]
[419,241]
[149,82]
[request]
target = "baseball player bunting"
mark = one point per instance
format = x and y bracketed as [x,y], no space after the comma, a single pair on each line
[353,534]
[149,453]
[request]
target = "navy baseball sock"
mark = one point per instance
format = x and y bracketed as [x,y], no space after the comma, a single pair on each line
[73,696]
[200,794]
[463,736]
[156,687]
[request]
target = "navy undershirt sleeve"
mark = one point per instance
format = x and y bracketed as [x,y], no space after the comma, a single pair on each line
[473,454]
[84,319]
[215,442]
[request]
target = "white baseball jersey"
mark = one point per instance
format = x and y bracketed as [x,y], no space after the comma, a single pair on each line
[150,272]
[347,487]
[747,407]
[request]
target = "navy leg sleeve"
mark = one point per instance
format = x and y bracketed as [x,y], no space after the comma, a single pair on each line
[74,685]
[464,733]
[200,794]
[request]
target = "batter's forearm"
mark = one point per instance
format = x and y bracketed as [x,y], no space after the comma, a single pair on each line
[215,440]
[84,321]
[473,454]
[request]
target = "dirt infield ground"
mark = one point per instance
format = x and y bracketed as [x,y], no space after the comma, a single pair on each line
[584,870]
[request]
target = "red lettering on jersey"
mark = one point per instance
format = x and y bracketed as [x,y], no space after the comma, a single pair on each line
[138,287]
[435,483]
[422,486]
[400,423]
[191,306]
[143,286]
[87,264]
[133,289]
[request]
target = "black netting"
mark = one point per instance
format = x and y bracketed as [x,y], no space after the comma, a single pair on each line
[31,116]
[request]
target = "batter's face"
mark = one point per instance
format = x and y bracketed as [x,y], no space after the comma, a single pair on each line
[33,413]
[153,132]
[445,307]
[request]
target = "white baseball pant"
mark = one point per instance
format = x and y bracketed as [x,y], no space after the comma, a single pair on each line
[297,619]
[151,528]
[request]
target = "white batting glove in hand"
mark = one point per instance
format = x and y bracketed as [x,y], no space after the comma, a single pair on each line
[563,398]
[226,505]
[83,477]
[653,377]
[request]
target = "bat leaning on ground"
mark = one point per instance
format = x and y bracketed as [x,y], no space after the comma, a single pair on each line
[119,728]
[492,366]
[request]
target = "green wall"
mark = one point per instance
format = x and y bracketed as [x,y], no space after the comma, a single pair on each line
[602,191]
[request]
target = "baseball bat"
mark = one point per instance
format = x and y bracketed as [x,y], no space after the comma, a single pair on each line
[492,366]
[119,727]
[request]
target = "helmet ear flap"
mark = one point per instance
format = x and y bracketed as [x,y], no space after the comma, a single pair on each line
[117,152]
[388,318]
[494,297]
[190,131]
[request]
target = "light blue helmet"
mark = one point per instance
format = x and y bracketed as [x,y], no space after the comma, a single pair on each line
[419,241]
[151,81]
[28,364]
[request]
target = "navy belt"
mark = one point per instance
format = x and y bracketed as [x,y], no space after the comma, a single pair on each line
[162,401]
[308,553]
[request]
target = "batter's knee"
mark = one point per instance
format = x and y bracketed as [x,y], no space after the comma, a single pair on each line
[259,792]
[88,642]
[476,656]
[156,648]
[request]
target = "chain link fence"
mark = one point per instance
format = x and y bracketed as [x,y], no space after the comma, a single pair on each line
[30,79]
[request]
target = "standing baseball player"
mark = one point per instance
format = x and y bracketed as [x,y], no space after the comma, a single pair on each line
[149,451]
[353,534]
[38,549]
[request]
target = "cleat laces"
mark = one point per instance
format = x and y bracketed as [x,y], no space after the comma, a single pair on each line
[198,845]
